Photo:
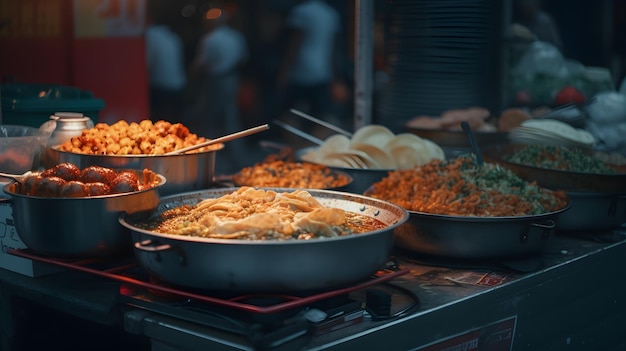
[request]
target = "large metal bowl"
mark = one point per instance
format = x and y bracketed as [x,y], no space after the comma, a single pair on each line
[593,212]
[267,265]
[474,237]
[576,182]
[187,172]
[84,227]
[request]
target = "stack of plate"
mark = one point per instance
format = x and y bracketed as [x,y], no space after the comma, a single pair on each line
[441,55]
[551,132]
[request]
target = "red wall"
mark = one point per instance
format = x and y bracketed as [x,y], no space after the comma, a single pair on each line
[39,45]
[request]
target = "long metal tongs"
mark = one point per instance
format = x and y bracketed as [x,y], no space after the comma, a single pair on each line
[298,132]
[320,122]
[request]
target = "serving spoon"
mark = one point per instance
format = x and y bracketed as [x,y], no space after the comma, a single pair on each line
[20,178]
[221,139]
[470,135]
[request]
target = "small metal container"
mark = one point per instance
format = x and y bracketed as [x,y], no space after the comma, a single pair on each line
[62,126]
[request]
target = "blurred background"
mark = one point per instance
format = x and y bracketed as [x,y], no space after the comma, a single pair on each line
[427,56]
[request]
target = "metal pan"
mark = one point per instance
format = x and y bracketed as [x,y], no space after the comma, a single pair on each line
[476,237]
[258,266]
[593,212]
[81,227]
[556,179]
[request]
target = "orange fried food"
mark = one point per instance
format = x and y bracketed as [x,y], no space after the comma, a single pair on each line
[284,174]
[461,188]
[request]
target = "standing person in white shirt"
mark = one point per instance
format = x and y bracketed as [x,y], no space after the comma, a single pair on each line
[310,70]
[220,55]
[166,69]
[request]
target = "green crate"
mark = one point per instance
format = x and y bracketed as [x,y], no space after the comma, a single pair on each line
[33,104]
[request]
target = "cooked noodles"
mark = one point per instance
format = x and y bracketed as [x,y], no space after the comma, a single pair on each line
[257,214]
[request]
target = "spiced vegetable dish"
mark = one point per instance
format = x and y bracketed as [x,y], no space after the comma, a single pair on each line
[460,187]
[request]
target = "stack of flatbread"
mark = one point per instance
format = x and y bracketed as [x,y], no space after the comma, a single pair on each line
[375,147]
[551,132]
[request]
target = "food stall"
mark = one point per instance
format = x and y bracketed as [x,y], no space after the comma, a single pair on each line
[419,281]
[422,281]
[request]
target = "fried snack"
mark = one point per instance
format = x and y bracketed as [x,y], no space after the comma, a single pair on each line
[425,122]
[143,138]
[474,116]
[450,120]
[283,174]
[512,118]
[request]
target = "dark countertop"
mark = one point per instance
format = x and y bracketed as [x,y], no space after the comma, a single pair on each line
[84,310]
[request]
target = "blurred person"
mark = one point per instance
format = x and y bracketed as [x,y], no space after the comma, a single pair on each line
[531,15]
[309,72]
[269,42]
[220,55]
[166,67]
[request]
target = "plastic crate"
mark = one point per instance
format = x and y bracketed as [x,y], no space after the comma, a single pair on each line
[33,104]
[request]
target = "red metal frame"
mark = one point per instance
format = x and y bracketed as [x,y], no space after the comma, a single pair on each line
[116,273]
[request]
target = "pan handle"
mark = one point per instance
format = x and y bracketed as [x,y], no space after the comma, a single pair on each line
[155,247]
[545,233]
[612,211]
[150,246]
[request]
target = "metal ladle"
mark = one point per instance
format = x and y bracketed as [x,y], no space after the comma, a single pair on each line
[470,136]
[20,178]
[221,139]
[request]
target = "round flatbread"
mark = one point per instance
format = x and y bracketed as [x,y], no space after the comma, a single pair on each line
[403,139]
[434,150]
[407,157]
[335,143]
[551,127]
[374,134]
[382,157]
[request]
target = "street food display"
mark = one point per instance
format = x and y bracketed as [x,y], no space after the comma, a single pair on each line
[286,174]
[143,138]
[460,187]
[258,214]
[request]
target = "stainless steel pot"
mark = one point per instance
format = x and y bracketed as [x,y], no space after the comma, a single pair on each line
[476,237]
[187,172]
[555,179]
[83,227]
[240,265]
[593,212]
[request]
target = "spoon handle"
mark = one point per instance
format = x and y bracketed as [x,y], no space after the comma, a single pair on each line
[470,135]
[222,139]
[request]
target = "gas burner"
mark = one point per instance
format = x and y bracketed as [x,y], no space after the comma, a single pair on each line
[266,320]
